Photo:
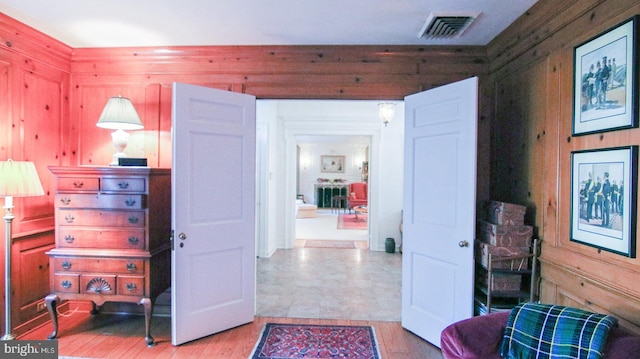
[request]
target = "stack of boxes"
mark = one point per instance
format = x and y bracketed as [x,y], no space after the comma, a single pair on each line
[504,234]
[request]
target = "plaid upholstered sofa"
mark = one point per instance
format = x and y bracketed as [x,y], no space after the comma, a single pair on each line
[481,338]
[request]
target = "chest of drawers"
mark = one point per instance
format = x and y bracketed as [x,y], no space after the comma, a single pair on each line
[113,228]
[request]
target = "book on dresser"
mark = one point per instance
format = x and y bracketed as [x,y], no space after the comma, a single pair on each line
[113,237]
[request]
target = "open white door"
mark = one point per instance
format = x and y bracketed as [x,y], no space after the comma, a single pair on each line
[213,211]
[439,207]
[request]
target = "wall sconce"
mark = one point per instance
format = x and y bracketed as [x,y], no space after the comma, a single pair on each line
[119,115]
[304,161]
[386,110]
[17,179]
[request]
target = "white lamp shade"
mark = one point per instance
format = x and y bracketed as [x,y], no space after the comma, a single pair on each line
[19,179]
[119,114]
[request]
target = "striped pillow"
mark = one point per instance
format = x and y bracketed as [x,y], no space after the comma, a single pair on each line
[552,331]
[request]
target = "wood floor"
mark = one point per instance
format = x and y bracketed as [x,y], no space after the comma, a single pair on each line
[122,336]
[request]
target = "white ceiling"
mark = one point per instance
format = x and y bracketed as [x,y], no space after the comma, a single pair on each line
[124,23]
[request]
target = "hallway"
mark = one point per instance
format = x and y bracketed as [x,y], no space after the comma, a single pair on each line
[329,283]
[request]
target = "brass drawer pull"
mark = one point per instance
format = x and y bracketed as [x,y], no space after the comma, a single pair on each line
[69,218]
[66,265]
[131,287]
[134,220]
[65,201]
[130,202]
[131,267]
[123,185]
[66,284]
[69,238]
[133,240]
[78,184]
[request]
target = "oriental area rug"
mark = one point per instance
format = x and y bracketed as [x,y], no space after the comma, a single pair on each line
[352,221]
[288,341]
[311,243]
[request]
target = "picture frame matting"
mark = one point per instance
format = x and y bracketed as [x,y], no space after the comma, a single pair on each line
[604,198]
[605,97]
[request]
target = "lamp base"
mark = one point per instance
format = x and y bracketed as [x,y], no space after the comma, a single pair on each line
[115,158]
[8,336]
[120,140]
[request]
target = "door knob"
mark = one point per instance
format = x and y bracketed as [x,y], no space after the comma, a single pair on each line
[182,236]
[463,244]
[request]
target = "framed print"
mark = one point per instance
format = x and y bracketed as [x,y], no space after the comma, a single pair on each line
[332,164]
[605,85]
[603,199]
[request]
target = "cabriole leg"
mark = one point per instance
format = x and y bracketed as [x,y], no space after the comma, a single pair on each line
[51,301]
[148,311]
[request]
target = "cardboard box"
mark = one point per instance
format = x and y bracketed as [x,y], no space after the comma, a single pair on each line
[506,213]
[501,282]
[505,235]
[484,249]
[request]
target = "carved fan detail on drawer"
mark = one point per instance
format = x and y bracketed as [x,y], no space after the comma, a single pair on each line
[98,285]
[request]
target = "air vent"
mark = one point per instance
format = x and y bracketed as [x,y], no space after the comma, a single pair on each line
[446,26]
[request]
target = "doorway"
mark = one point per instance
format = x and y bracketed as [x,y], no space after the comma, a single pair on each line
[285,121]
[323,210]
[283,126]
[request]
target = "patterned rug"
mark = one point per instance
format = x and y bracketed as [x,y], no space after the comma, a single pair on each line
[349,221]
[288,341]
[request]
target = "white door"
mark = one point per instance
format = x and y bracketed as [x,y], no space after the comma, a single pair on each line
[213,211]
[439,208]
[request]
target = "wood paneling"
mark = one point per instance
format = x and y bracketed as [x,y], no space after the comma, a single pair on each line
[275,72]
[532,72]
[34,93]
[525,106]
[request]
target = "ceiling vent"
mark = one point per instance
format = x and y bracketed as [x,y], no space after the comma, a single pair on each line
[446,26]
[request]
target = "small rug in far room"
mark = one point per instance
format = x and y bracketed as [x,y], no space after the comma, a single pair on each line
[311,243]
[349,221]
[288,341]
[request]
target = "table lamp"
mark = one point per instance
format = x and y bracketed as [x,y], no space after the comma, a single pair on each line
[17,179]
[119,115]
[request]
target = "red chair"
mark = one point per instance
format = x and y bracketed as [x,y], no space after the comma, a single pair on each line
[358,195]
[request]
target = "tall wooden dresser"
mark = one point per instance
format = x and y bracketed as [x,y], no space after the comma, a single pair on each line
[113,229]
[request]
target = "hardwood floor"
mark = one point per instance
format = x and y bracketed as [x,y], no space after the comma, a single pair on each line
[122,336]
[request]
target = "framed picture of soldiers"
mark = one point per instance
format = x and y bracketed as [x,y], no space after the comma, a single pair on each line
[604,197]
[605,84]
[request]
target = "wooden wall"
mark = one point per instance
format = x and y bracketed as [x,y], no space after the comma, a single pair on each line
[34,93]
[53,96]
[532,79]
[270,72]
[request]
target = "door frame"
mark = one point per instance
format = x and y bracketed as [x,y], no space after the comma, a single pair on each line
[290,134]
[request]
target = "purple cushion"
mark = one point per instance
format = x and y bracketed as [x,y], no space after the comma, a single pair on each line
[480,337]
[474,338]
[621,345]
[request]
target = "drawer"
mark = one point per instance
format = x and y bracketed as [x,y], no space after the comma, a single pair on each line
[66,283]
[97,218]
[98,265]
[111,201]
[76,237]
[120,184]
[130,285]
[104,284]
[78,184]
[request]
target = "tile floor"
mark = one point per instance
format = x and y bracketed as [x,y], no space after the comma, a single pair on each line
[328,283]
